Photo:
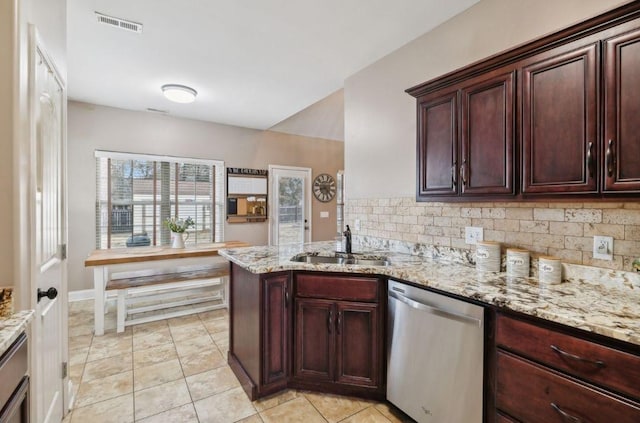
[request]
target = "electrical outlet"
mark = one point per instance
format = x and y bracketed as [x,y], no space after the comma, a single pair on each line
[603,247]
[473,234]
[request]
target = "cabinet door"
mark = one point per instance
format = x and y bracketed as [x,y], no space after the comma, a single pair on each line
[559,122]
[621,147]
[314,339]
[275,360]
[436,149]
[358,344]
[487,128]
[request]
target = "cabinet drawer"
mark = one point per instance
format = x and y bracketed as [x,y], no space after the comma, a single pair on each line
[337,287]
[596,363]
[533,394]
[13,367]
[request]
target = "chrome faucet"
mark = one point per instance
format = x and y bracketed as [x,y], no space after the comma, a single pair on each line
[347,244]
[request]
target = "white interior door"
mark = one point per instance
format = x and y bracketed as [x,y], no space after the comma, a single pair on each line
[48,132]
[289,205]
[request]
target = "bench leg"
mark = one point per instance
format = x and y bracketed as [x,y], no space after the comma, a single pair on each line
[122,311]
[98,298]
[225,292]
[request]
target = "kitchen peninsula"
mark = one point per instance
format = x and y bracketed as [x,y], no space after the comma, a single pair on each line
[594,311]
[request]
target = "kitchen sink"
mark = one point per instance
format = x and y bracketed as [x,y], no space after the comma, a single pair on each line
[347,259]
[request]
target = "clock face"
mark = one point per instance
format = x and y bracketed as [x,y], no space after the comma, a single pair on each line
[324,187]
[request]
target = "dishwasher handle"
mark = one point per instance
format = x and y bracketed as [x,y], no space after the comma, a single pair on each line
[435,310]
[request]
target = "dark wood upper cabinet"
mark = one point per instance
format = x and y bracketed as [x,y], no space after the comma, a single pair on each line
[560,121]
[487,136]
[437,142]
[466,138]
[621,147]
[564,125]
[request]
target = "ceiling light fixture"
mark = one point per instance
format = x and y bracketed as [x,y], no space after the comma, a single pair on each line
[179,93]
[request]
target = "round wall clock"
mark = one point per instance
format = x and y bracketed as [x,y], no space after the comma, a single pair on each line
[324,187]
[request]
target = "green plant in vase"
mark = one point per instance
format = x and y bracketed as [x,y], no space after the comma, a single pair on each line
[178,227]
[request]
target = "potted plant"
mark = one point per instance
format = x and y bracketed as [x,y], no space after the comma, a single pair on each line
[178,227]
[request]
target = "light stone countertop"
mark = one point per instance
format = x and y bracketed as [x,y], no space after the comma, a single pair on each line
[593,300]
[12,327]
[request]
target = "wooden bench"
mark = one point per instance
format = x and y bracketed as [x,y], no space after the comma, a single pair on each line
[167,289]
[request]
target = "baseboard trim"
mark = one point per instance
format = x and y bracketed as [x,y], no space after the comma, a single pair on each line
[87,294]
[84,294]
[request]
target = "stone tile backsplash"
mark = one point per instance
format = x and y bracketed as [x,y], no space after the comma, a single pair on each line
[564,230]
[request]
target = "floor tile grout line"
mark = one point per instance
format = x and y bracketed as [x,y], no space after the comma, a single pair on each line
[316,408]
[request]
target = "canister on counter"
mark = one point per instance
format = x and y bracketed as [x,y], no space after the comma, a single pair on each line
[549,270]
[517,263]
[488,256]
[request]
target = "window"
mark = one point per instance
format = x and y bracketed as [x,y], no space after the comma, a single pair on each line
[136,193]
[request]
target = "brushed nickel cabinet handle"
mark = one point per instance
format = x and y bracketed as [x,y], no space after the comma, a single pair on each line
[598,363]
[590,161]
[610,158]
[566,416]
[330,322]
[339,322]
[286,297]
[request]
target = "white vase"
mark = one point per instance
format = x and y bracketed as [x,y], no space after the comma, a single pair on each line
[177,241]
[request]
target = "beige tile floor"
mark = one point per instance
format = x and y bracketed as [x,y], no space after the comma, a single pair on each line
[176,371]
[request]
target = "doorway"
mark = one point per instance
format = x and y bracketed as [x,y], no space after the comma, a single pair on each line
[289,205]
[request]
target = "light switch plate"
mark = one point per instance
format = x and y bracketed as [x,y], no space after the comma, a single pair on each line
[603,247]
[324,214]
[473,234]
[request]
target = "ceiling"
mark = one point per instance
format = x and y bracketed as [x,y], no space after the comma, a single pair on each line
[254,63]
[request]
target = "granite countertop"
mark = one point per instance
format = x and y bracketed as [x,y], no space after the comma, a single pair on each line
[12,327]
[591,299]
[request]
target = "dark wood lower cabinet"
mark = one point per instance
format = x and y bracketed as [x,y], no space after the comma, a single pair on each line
[358,359]
[533,394]
[281,336]
[14,383]
[259,330]
[547,374]
[337,342]
[339,336]
[314,340]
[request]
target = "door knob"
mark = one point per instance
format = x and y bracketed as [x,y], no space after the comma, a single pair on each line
[50,293]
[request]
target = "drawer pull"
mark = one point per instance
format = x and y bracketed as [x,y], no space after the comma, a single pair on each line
[598,363]
[566,416]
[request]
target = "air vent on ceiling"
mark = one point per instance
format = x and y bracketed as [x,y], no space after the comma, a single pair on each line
[119,23]
[160,111]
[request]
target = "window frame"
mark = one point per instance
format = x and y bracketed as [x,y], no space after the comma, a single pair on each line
[216,188]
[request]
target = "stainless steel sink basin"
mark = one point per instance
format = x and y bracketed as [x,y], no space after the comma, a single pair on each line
[349,259]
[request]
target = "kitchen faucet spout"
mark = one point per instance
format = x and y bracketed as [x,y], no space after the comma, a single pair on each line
[347,235]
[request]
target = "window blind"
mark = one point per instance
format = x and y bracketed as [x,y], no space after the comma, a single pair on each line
[136,193]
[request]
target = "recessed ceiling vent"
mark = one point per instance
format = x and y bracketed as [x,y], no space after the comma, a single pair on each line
[119,23]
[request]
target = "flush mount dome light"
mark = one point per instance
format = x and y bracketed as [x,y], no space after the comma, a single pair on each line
[179,93]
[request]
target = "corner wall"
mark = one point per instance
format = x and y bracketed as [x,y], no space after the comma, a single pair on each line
[92,127]
[380,142]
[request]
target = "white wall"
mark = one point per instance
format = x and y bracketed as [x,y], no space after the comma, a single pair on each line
[92,127]
[323,119]
[380,118]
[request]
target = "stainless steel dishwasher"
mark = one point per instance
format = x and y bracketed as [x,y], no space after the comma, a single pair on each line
[435,356]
